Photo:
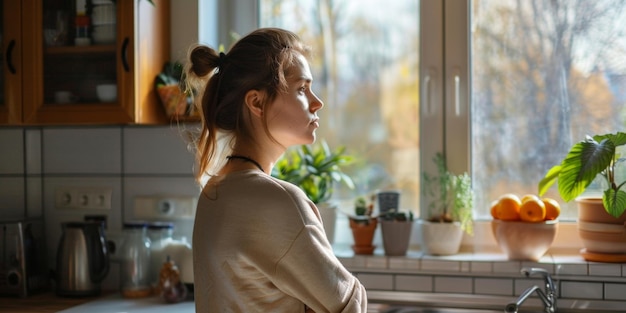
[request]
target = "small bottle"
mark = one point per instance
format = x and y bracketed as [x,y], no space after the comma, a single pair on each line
[135,267]
[161,235]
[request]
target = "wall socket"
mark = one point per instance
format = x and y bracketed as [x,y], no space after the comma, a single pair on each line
[83,198]
[165,207]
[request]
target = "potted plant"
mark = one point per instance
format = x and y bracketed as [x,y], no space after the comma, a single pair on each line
[450,209]
[363,226]
[600,219]
[168,86]
[396,229]
[315,169]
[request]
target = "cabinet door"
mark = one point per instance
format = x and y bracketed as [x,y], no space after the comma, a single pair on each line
[11,71]
[73,75]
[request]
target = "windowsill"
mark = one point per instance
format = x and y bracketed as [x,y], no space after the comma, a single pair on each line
[481,271]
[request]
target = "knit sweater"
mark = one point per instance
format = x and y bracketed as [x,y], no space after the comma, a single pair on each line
[259,246]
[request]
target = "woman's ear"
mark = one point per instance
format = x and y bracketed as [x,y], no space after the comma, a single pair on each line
[254,101]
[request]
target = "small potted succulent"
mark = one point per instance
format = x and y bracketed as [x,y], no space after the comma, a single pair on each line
[363,226]
[396,229]
[168,87]
[316,169]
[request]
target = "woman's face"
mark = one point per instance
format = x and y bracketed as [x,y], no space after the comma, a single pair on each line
[292,117]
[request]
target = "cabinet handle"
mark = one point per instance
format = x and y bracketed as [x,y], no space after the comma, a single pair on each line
[10,57]
[125,55]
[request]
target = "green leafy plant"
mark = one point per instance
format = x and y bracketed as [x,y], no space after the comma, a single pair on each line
[586,160]
[453,197]
[172,74]
[314,169]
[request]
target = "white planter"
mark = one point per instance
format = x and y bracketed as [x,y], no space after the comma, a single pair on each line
[328,212]
[440,238]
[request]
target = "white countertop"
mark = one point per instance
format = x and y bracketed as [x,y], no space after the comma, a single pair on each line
[117,304]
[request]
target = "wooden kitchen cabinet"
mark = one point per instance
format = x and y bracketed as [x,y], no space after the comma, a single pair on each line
[34,69]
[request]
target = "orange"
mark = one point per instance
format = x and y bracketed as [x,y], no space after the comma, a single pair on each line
[553,208]
[529,197]
[494,207]
[508,207]
[533,211]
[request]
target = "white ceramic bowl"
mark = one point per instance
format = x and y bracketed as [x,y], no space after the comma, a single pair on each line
[107,92]
[524,240]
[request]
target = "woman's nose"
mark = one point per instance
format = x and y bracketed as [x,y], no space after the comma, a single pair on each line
[315,103]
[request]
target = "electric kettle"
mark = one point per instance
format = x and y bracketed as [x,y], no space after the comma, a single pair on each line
[82,259]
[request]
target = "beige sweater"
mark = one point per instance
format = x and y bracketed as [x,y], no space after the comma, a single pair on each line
[259,246]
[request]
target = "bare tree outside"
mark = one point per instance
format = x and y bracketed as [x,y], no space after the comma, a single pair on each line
[545,73]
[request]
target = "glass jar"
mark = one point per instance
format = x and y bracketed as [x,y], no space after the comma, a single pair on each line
[161,234]
[135,256]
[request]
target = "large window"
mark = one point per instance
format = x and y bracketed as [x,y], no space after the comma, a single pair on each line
[503,87]
[544,75]
[366,69]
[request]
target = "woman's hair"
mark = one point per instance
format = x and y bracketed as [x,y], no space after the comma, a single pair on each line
[258,61]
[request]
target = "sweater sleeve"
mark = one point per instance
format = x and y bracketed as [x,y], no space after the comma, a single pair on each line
[312,273]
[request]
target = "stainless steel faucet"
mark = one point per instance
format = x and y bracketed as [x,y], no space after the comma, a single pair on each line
[547,296]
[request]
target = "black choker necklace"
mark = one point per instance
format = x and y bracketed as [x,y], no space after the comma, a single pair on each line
[245,158]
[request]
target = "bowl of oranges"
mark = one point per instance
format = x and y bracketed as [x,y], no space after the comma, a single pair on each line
[524,227]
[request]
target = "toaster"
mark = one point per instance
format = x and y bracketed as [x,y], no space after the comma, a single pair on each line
[23,268]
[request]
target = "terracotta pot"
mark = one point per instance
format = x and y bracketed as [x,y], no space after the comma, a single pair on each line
[603,236]
[363,233]
[396,237]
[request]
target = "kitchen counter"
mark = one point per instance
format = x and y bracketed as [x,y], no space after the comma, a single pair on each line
[46,302]
[116,303]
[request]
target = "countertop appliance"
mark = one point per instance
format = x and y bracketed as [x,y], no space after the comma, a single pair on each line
[82,259]
[23,268]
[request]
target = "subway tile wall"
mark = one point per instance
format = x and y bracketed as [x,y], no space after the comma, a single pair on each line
[130,160]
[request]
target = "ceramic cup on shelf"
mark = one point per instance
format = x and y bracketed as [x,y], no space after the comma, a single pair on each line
[106,92]
[64,96]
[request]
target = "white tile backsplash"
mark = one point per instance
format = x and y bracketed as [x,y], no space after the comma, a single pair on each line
[581,290]
[157,150]
[12,156]
[453,284]
[95,150]
[12,194]
[33,151]
[493,286]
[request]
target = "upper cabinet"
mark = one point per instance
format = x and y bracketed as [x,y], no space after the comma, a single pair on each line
[82,61]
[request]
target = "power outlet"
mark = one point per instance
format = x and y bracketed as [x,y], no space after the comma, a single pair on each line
[165,207]
[84,198]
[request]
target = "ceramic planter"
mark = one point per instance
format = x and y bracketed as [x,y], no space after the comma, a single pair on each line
[396,237]
[328,212]
[363,234]
[603,236]
[440,238]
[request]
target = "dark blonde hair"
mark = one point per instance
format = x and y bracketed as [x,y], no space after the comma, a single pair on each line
[258,61]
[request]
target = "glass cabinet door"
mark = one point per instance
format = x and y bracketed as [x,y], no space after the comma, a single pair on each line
[79,52]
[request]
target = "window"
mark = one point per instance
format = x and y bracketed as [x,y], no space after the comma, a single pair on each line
[504,86]
[366,69]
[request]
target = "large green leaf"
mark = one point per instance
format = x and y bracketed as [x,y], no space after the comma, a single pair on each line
[614,202]
[549,179]
[582,164]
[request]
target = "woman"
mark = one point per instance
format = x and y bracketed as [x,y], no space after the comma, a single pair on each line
[258,242]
